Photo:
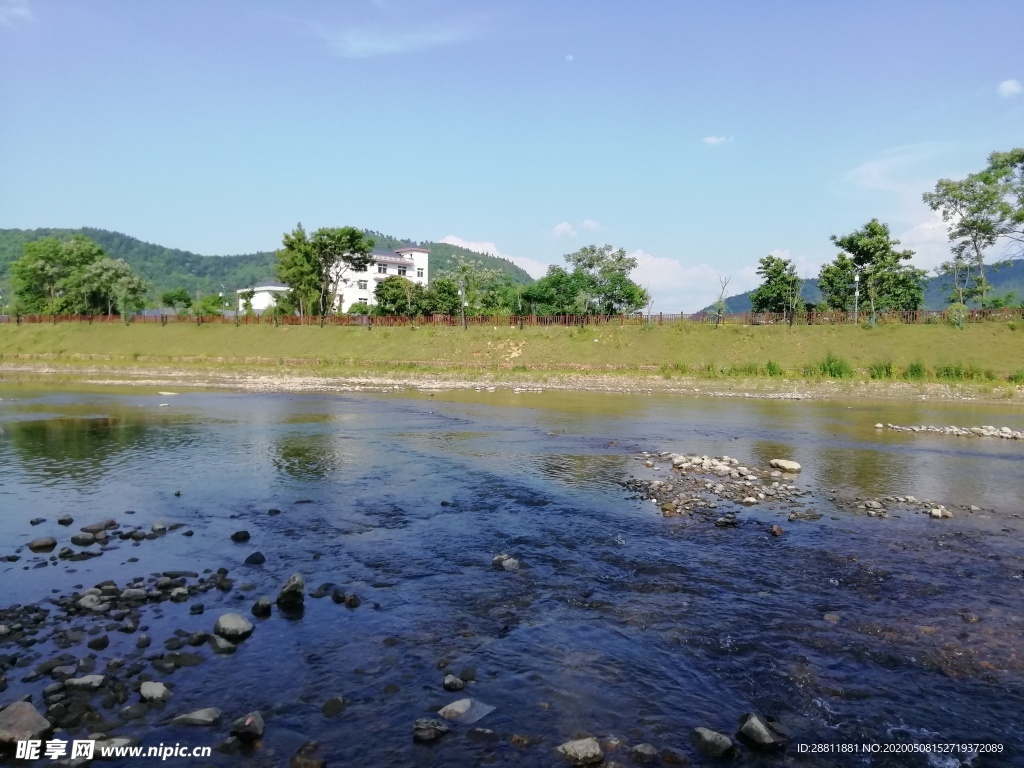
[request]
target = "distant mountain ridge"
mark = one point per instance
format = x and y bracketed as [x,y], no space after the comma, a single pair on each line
[170,268]
[1004,278]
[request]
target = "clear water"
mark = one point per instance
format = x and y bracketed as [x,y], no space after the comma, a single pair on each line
[621,622]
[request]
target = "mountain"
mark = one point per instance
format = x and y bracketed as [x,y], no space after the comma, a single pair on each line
[169,268]
[1005,277]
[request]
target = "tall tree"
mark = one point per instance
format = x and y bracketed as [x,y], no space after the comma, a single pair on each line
[836,282]
[178,299]
[42,275]
[889,282]
[477,283]
[607,271]
[314,266]
[781,289]
[106,285]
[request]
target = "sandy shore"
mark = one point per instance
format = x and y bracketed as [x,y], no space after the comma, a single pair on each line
[296,380]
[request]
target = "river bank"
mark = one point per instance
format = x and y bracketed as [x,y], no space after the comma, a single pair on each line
[300,379]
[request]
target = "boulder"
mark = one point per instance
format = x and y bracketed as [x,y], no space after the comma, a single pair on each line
[85,683]
[200,717]
[95,528]
[785,465]
[261,608]
[644,753]
[711,743]
[334,706]
[43,544]
[240,536]
[453,683]
[582,751]
[306,757]
[233,627]
[248,728]
[21,721]
[65,520]
[427,730]
[456,709]
[761,733]
[256,558]
[292,594]
[152,691]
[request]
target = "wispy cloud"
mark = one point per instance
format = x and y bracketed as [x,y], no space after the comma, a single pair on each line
[714,141]
[590,224]
[368,41]
[563,230]
[1009,88]
[533,267]
[676,287]
[570,58]
[15,12]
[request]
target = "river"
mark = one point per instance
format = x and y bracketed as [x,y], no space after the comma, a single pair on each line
[621,623]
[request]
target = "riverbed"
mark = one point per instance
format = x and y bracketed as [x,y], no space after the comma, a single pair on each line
[620,623]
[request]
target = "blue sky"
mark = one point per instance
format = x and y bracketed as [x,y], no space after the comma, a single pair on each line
[699,135]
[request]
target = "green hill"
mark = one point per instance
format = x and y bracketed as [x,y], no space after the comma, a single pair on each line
[1005,277]
[169,268]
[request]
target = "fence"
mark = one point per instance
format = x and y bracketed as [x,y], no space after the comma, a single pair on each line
[745,318]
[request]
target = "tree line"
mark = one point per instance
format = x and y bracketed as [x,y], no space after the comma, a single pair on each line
[981,210]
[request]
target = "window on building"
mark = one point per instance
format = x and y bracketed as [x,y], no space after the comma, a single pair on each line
[419,271]
[361,285]
[382,269]
[402,271]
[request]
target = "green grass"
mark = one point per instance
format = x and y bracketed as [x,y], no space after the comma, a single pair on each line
[983,352]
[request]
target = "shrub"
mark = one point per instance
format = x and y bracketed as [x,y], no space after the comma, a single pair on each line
[882,370]
[681,367]
[1017,377]
[952,372]
[746,369]
[772,368]
[835,367]
[915,371]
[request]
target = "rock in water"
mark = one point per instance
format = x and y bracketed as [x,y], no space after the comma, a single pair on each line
[759,733]
[453,683]
[248,728]
[151,691]
[334,706]
[256,558]
[261,608]
[711,743]
[785,465]
[21,721]
[43,544]
[233,627]
[208,716]
[427,730]
[240,536]
[582,751]
[306,757]
[644,753]
[292,594]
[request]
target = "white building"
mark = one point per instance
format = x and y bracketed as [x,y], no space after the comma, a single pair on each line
[355,286]
[412,263]
[263,297]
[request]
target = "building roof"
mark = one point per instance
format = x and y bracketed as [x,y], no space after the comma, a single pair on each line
[412,248]
[265,287]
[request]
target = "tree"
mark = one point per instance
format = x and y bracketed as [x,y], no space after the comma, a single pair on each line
[889,282]
[780,291]
[606,272]
[247,297]
[210,304]
[359,308]
[396,295]
[443,297]
[721,305]
[1008,169]
[315,266]
[837,285]
[106,285]
[41,276]
[475,281]
[178,299]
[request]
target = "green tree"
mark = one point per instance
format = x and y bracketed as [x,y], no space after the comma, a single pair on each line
[210,304]
[396,295]
[889,282]
[475,281]
[42,277]
[780,290]
[315,266]
[836,283]
[608,289]
[178,299]
[359,308]
[104,286]
[443,297]
[247,297]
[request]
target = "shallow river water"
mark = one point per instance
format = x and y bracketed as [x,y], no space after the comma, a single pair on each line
[621,622]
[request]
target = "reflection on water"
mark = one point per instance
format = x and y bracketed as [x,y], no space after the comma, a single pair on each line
[619,622]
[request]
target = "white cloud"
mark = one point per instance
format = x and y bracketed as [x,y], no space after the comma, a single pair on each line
[1009,88]
[676,287]
[714,141]
[570,58]
[365,42]
[15,12]
[590,224]
[563,230]
[533,267]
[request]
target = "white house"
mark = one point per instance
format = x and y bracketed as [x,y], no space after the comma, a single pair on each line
[411,263]
[355,286]
[263,297]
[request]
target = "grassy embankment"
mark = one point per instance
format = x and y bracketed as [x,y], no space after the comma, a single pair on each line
[989,353]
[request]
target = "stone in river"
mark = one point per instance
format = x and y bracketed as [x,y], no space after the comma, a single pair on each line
[83,539]
[200,717]
[759,733]
[785,465]
[86,683]
[256,558]
[711,743]
[248,728]
[43,544]
[334,706]
[99,643]
[644,753]
[428,729]
[452,683]
[21,721]
[233,627]
[152,691]
[261,608]
[240,536]
[65,520]
[292,595]
[37,521]
[95,528]
[582,751]
[306,757]
[220,645]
